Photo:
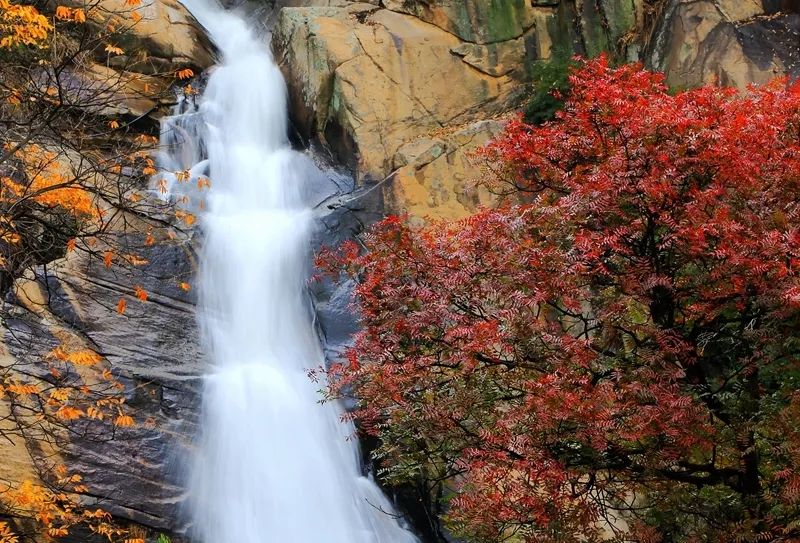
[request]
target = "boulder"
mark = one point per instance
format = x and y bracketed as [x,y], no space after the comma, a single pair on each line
[727,42]
[475,21]
[367,81]
[158,36]
[437,178]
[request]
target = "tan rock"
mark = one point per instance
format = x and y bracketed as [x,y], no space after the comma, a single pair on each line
[165,38]
[495,59]
[740,10]
[368,81]
[106,91]
[437,179]
[477,21]
[309,45]
[701,42]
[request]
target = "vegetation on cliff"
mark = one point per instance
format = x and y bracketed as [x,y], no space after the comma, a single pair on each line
[73,170]
[615,352]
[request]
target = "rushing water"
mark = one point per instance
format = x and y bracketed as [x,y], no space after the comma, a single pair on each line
[273,464]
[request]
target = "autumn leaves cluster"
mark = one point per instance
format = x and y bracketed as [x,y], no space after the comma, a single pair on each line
[614,352]
[74,178]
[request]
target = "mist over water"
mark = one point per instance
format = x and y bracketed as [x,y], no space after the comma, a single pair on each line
[272,463]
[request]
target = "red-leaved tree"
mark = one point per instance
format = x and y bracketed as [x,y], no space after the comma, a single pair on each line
[616,357]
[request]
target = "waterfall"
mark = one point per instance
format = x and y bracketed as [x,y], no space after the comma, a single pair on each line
[272,463]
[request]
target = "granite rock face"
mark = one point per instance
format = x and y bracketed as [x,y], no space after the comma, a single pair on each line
[157,37]
[152,349]
[727,42]
[369,80]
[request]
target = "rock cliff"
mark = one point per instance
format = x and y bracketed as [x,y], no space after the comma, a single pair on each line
[398,88]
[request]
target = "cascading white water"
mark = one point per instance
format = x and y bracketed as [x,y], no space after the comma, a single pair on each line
[273,464]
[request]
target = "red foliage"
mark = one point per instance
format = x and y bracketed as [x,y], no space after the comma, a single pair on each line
[623,343]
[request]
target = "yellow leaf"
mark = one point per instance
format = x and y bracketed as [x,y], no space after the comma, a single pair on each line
[6,535]
[23,389]
[58,353]
[113,49]
[11,237]
[84,357]
[188,218]
[60,394]
[94,413]
[136,260]
[69,413]
[123,421]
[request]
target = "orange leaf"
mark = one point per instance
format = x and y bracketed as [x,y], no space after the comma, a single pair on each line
[121,305]
[123,421]
[58,353]
[71,245]
[63,13]
[113,49]
[23,389]
[69,413]
[140,293]
[84,357]
[186,73]
[107,257]
[113,125]
[185,286]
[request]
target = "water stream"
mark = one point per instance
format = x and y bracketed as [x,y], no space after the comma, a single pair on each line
[272,463]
